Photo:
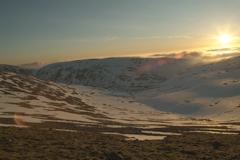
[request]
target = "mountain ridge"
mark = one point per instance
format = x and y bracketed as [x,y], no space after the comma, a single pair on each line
[171,85]
[126,74]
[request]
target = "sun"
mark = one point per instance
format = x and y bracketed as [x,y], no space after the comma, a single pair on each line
[224,39]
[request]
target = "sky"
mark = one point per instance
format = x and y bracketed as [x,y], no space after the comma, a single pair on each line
[62,30]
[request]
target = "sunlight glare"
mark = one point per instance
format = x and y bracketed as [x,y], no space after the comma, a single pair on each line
[224,39]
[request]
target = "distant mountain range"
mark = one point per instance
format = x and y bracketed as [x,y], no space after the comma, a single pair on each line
[16,69]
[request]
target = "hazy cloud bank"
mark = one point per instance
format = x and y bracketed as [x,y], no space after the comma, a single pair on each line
[37,65]
[204,56]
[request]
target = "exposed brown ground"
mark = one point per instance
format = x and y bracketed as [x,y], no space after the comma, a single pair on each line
[45,143]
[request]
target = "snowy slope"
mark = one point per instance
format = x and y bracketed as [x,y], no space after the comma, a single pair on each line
[127,74]
[28,101]
[207,91]
[36,100]
[201,90]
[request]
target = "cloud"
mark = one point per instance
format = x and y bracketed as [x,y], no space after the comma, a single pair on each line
[98,39]
[163,37]
[205,56]
[177,37]
[188,55]
[232,49]
[178,55]
[85,39]
[37,65]
[110,38]
[163,55]
[33,65]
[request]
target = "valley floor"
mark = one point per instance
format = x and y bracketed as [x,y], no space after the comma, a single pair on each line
[41,142]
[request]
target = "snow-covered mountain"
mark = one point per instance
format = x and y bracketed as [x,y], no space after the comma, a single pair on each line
[177,85]
[16,69]
[210,91]
[126,74]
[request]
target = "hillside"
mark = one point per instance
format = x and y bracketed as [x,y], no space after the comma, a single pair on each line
[202,90]
[125,74]
[181,86]
[35,100]
[209,91]
[16,69]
